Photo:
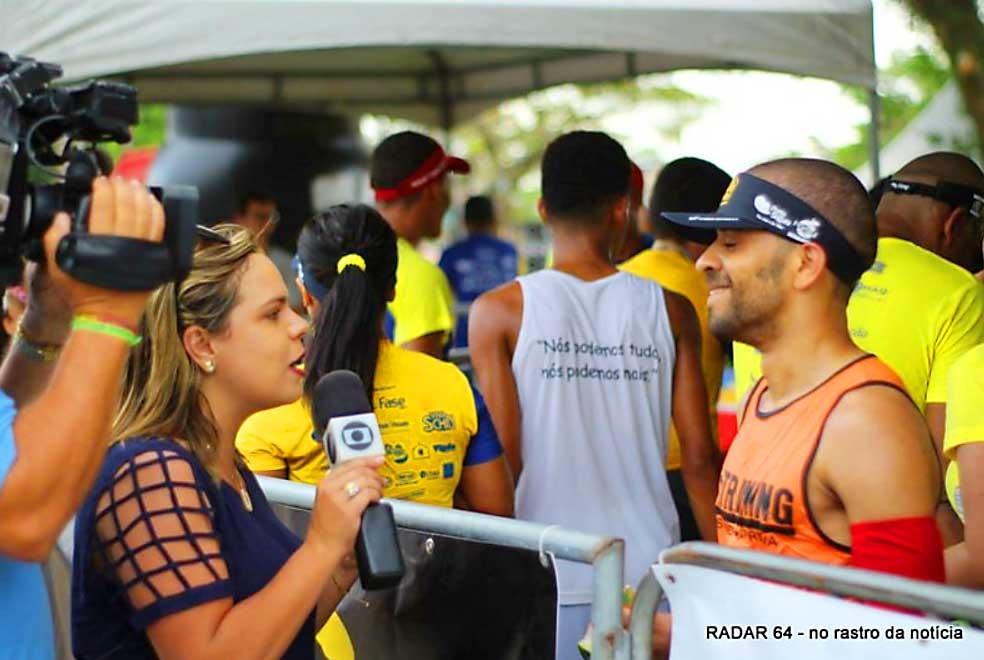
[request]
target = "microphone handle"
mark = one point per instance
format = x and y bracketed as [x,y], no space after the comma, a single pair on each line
[377,550]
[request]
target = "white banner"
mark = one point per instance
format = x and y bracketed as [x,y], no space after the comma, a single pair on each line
[721,616]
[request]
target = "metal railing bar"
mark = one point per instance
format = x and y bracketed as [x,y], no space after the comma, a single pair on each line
[943,601]
[606,554]
[647,597]
[495,530]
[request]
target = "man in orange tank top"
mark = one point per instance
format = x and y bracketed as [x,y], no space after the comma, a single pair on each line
[832,461]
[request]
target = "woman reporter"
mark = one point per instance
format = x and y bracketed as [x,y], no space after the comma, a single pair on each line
[177,552]
[441,446]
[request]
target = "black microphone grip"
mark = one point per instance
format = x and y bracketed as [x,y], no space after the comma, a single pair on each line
[377,550]
[340,410]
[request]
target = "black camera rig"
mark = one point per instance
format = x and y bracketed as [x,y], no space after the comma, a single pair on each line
[48,127]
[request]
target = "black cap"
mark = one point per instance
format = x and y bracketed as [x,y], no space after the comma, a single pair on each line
[754,203]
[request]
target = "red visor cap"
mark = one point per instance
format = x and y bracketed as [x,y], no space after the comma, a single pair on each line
[437,165]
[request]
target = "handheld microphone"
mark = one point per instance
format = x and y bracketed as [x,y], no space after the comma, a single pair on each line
[348,428]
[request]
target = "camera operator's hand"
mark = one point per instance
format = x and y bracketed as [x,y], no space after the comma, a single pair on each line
[118,208]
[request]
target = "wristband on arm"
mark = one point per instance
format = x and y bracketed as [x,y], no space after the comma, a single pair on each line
[908,547]
[33,349]
[109,326]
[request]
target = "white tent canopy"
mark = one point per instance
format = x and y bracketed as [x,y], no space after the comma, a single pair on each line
[435,61]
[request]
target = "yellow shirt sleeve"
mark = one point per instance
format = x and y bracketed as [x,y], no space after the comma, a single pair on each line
[255,442]
[963,317]
[424,303]
[965,392]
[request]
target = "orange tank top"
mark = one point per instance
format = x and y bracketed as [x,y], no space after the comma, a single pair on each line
[762,501]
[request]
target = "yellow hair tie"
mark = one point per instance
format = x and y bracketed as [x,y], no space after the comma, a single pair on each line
[351,259]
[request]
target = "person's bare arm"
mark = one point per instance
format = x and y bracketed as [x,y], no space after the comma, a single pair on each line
[936,420]
[949,523]
[263,625]
[700,459]
[339,583]
[432,344]
[877,457]
[61,435]
[493,326]
[45,322]
[965,561]
[488,487]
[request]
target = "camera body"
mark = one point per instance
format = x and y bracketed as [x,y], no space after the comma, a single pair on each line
[46,127]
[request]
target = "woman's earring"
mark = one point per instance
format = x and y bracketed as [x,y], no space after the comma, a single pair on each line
[209,367]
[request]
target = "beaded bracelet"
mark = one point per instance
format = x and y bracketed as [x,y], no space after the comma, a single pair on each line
[35,350]
[95,324]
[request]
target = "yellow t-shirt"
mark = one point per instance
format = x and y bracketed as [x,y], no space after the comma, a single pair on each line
[280,439]
[913,309]
[964,417]
[431,433]
[427,431]
[676,272]
[424,303]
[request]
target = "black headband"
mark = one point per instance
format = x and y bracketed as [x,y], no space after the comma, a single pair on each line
[953,194]
[754,203]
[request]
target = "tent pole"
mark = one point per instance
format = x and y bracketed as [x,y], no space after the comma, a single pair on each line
[874,145]
[444,82]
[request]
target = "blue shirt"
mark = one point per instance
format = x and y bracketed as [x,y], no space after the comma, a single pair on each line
[25,616]
[254,545]
[473,266]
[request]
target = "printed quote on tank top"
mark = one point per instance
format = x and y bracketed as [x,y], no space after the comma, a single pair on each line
[593,360]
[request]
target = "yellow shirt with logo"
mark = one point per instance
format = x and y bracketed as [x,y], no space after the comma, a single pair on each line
[964,416]
[433,425]
[431,432]
[913,309]
[676,272]
[424,302]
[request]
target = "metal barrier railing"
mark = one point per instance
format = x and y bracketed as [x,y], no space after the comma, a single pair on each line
[938,600]
[606,554]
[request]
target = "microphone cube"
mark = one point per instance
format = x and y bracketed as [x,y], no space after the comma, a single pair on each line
[353,436]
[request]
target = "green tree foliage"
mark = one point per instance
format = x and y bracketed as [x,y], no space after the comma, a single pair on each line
[149,132]
[959,27]
[505,143]
[906,86]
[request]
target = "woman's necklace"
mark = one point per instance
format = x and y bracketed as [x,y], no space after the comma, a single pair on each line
[243,492]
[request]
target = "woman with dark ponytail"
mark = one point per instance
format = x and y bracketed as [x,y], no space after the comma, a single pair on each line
[440,443]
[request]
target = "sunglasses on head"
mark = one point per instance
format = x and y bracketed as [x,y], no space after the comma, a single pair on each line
[952,194]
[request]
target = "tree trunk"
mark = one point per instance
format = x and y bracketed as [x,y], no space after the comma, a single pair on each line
[958,27]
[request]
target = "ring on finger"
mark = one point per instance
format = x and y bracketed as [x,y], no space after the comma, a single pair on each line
[352,489]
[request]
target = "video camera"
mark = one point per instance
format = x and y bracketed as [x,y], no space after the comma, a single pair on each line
[47,127]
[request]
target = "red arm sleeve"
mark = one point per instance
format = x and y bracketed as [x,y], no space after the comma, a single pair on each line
[909,547]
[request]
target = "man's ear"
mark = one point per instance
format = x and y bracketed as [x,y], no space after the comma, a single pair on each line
[541,209]
[198,345]
[812,264]
[951,226]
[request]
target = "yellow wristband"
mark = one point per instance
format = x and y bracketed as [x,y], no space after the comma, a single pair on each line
[93,324]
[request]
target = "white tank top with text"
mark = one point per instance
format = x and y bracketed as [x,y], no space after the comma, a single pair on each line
[594,370]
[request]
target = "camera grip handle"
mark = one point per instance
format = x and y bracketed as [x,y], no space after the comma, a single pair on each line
[115,262]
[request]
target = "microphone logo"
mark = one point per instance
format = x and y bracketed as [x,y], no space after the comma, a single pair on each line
[357,435]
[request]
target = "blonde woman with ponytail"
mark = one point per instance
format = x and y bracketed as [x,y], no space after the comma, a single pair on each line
[177,552]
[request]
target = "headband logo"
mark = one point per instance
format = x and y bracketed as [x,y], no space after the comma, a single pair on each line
[808,229]
[770,213]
